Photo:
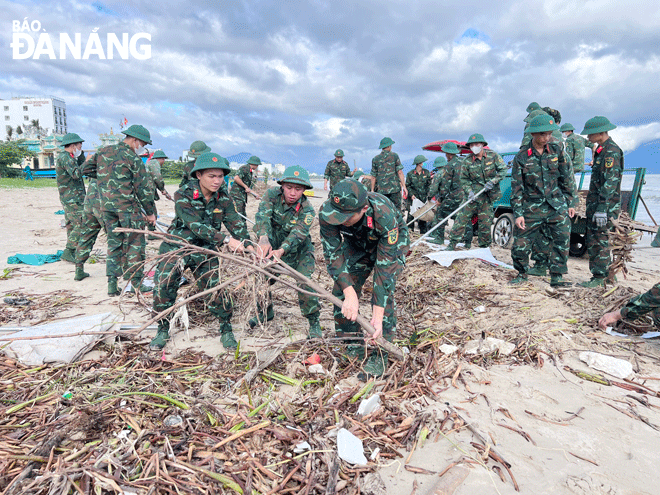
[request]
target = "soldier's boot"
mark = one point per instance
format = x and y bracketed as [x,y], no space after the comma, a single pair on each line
[355,351]
[594,282]
[557,281]
[520,279]
[261,317]
[538,270]
[451,246]
[227,336]
[68,255]
[113,290]
[80,272]
[468,244]
[161,338]
[137,283]
[315,331]
[375,366]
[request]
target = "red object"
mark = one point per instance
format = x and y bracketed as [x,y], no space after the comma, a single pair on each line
[436,145]
[370,222]
[313,359]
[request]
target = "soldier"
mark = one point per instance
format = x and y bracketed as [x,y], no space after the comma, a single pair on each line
[543,197]
[364,179]
[336,170]
[363,232]
[153,168]
[447,189]
[484,169]
[242,185]
[418,181]
[550,111]
[201,207]
[282,226]
[387,174]
[604,197]
[196,149]
[649,302]
[126,201]
[71,187]
[438,165]
[575,146]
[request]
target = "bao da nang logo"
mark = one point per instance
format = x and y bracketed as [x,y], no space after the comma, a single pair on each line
[29,40]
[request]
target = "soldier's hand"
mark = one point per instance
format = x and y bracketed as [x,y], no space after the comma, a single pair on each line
[520,223]
[167,195]
[277,253]
[351,304]
[263,250]
[600,218]
[235,245]
[471,196]
[489,185]
[325,186]
[571,212]
[609,319]
[404,191]
[378,312]
[151,219]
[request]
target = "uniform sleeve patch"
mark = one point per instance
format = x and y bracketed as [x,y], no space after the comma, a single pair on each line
[309,218]
[196,194]
[393,236]
[609,162]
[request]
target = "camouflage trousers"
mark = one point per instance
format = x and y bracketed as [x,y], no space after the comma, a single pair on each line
[644,303]
[359,272]
[92,225]
[483,208]
[441,211]
[240,203]
[204,268]
[121,244]
[395,198]
[150,226]
[423,226]
[550,230]
[598,247]
[73,217]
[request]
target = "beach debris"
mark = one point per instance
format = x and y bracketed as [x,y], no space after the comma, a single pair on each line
[17,301]
[488,346]
[448,349]
[302,447]
[349,448]
[173,420]
[480,309]
[367,406]
[607,364]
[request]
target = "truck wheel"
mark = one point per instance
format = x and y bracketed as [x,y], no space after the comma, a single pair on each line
[503,230]
[578,245]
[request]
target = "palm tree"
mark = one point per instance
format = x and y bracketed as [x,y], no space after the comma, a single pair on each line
[34,123]
[19,131]
[10,132]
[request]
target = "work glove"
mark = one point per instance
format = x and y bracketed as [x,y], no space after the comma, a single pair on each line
[489,185]
[600,219]
[471,196]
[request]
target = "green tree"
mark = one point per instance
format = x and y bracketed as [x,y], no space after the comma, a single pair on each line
[12,154]
[10,132]
[19,130]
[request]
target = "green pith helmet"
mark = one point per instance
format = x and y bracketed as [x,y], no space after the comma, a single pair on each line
[159,154]
[450,148]
[254,160]
[348,197]
[296,175]
[385,142]
[339,153]
[596,125]
[476,138]
[358,174]
[210,160]
[419,159]
[197,148]
[139,132]
[533,106]
[542,123]
[566,127]
[533,114]
[441,161]
[71,138]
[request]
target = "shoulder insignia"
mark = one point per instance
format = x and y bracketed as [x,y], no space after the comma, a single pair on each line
[71,154]
[370,222]
[609,162]
[309,218]
[196,194]
[529,152]
[297,207]
[393,236]
[599,149]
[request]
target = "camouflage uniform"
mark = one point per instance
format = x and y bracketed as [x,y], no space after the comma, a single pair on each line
[92,216]
[448,191]
[604,196]
[334,172]
[575,146]
[72,196]
[287,228]
[542,190]
[475,173]
[198,222]
[157,183]
[644,303]
[125,191]
[385,168]
[418,186]
[185,175]
[238,194]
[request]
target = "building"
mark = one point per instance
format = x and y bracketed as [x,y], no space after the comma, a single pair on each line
[22,111]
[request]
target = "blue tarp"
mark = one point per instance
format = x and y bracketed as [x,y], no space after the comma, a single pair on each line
[34,259]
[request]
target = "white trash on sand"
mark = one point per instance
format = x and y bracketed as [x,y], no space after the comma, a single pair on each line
[349,448]
[607,364]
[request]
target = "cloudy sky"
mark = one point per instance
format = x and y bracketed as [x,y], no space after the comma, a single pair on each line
[292,81]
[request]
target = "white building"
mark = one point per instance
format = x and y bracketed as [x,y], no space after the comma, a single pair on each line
[22,110]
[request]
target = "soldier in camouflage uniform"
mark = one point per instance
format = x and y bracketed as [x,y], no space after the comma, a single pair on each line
[438,166]
[158,184]
[575,146]
[447,189]
[71,187]
[196,149]
[418,181]
[282,226]
[336,170]
[649,302]
[364,179]
[387,174]
[202,206]
[604,197]
[550,111]
[484,169]
[363,232]
[126,200]
[543,197]
[242,185]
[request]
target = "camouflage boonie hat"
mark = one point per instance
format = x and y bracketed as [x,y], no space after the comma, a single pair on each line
[533,106]
[533,114]
[296,175]
[139,132]
[254,160]
[210,160]
[566,127]
[441,161]
[339,153]
[450,148]
[476,138]
[347,198]
[542,123]
[71,138]
[385,142]
[419,159]
[596,125]
[159,154]
[197,148]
